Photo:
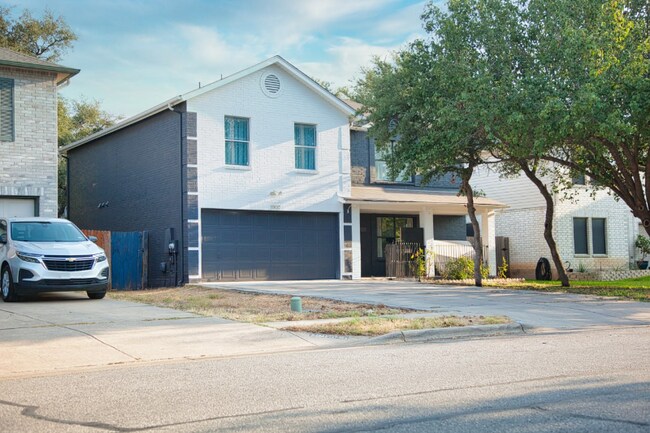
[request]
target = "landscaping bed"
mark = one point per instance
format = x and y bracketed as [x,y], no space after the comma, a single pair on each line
[251,307]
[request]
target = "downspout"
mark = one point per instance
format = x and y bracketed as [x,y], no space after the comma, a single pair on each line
[182,225]
[66,209]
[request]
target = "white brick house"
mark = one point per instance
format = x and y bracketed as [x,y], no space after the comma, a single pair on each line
[250,175]
[594,233]
[28,134]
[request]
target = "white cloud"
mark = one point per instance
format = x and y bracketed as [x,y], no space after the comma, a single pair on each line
[406,20]
[345,61]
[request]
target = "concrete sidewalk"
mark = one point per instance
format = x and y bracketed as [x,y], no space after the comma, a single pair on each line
[66,331]
[542,311]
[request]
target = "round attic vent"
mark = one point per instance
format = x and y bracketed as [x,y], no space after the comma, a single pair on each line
[271,85]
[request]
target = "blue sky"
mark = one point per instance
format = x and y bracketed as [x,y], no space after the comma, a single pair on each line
[135,54]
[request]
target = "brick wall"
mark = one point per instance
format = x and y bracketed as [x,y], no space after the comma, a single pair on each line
[620,229]
[29,163]
[271,181]
[525,228]
[137,172]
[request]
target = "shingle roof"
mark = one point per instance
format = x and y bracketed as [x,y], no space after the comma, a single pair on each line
[19,60]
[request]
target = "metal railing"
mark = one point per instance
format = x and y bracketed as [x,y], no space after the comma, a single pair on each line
[441,253]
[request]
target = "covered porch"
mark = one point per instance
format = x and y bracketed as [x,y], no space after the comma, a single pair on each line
[435,219]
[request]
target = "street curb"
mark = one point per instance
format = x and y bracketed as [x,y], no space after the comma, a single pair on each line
[424,335]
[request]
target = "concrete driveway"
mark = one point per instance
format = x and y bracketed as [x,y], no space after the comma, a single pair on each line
[544,311]
[64,331]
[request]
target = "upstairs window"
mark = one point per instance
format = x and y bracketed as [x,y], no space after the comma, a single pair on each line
[579,179]
[381,166]
[237,140]
[305,141]
[6,109]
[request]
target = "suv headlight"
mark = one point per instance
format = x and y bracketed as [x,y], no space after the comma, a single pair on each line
[100,257]
[28,257]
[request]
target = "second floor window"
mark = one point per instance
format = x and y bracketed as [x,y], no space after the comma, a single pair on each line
[305,140]
[237,140]
[381,166]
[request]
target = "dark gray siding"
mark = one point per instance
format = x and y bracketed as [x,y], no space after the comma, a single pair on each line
[137,171]
[449,228]
[362,161]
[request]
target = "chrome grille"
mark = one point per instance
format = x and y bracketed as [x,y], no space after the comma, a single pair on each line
[69,264]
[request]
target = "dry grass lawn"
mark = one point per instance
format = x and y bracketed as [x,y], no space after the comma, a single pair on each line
[374,326]
[250,307]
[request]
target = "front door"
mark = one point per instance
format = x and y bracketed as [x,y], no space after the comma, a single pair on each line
[377,231]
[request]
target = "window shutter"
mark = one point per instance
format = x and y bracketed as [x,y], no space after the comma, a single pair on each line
[6,109]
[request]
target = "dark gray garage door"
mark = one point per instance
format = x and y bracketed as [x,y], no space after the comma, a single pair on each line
[252,245]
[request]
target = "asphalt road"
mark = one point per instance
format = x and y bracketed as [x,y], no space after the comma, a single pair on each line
[587,381]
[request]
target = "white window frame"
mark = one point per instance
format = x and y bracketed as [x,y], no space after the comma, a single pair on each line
[305,147]
[227,141]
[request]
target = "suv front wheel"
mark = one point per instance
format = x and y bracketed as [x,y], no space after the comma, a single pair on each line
[7,285]
[96,295]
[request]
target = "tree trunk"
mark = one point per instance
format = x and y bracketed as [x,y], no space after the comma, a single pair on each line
[548,223]
[477,243]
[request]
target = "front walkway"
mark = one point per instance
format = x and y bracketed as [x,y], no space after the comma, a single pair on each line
[544,311]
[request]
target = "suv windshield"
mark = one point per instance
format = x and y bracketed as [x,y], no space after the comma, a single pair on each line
[46,232]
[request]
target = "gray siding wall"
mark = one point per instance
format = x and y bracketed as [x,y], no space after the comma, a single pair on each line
[449,228]
[362,161]
[137,170]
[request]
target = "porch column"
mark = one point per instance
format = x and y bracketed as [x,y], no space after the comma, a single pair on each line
[489,242]
[356,242]
[426,222]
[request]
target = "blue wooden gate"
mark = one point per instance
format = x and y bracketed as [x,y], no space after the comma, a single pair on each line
[128,260]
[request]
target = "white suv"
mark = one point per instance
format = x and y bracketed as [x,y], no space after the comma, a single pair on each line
[49,255]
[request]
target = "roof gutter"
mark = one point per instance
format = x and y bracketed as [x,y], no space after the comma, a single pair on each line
[63,73]
[123,124]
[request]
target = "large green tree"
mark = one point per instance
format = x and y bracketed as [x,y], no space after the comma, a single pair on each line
[600,114]
[548,88]
[47,37]
[424,102]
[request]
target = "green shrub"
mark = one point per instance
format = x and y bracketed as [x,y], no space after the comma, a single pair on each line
[503,269]
[461,268]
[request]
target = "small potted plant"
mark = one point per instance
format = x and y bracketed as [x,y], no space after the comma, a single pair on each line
[643,245]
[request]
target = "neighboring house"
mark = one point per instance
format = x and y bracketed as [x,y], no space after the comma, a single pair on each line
[592,232]
[382,210]
[28,134]
[251,176]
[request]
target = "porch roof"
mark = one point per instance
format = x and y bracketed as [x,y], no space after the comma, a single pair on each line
[395,195]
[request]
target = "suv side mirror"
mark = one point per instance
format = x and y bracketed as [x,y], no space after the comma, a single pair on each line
[92,238]
[3,238]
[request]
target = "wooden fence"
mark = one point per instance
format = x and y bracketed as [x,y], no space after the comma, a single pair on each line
[400,260]
[104,242]
[127,254]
